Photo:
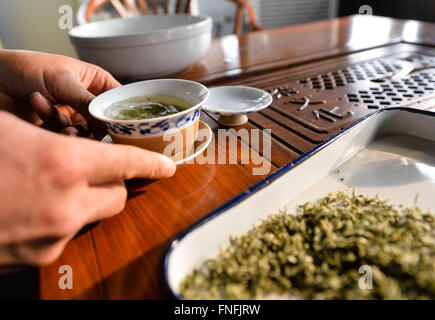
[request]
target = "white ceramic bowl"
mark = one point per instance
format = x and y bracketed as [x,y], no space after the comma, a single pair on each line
[150,133]
[144,47]
[233,103]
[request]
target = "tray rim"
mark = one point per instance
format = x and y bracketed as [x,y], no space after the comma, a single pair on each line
[172,243]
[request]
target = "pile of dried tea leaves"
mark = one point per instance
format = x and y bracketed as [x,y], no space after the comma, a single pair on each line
[318,252]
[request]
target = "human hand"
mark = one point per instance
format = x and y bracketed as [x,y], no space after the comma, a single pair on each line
[52,185]
[33,83]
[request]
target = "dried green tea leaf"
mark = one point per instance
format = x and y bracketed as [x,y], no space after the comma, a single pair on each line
[317,254]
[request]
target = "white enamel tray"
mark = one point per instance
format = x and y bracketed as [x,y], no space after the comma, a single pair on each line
[390,152]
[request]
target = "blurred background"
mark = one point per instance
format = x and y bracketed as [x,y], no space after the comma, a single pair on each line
[33,24]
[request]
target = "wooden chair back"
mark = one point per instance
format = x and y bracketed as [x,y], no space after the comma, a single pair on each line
[126,8]
[243,5]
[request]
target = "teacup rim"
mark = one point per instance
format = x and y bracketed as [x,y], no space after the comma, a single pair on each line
[175,115]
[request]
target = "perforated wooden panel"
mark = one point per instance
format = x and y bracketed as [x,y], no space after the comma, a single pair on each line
[310,109]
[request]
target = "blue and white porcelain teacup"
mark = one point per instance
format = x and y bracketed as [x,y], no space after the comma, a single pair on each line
[152,134]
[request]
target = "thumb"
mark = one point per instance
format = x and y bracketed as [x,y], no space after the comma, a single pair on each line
[69,90]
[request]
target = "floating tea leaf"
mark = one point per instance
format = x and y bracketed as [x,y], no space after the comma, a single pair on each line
[147,107]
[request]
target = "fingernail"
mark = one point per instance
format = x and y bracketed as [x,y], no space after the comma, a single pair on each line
[82,130]
[34,94]
[70,131]
[41,105]
[170,165]
[64,121]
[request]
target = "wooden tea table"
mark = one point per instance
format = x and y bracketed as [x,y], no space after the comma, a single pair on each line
[121,258]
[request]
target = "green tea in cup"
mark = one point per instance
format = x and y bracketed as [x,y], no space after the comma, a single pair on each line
[145,107]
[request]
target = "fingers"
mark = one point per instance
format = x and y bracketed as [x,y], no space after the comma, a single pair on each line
[77,87]
[53,119]
[78,93]
[70,131]
[106,162]
[98,203]
[80,123]
[66,110]
[69,90]
[104,201]
[79,127]
[102,82]
[18,107]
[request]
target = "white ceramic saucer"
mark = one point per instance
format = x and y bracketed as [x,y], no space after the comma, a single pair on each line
[233,103]
[199,146]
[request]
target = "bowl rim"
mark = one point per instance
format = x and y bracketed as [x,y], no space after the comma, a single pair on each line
[199,25]
[235,111]
[175,115]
